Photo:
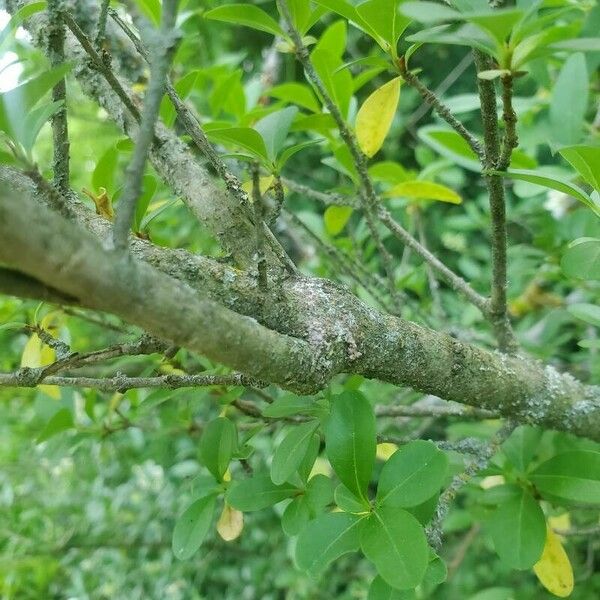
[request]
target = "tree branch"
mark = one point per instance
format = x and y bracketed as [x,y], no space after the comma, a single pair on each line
[497,304]
[163,47]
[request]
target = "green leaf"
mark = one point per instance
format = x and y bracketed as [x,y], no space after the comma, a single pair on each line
[582,259]
[451,145]
[552,182]
[300,13]
[567,110]
[319,492]
[248,15]
[498,23]
[518,530]
[350,441]
[383,18]
[423,190]
[274,129]
[35,120]
[429,12]
[521,446]
[414,473]
[217,445]
[60,421]
[292,150]
[289,405]
[20,100]
[244,137]
[345,9]
[336,218]
[586,160]
[19,17]
[395,542]
[590,313]
[571,476]
[291,451]
[295,516]
[436,573]
[337,83]
[151,9]
[192,526]
[326,538]
[306,464]
[104,172]
[347,501]
[380,590]
[257,493]
[296,93]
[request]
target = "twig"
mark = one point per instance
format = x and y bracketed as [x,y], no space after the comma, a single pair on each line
[434,286]
[120,383]
[367,191]
[497,305]
[430,97]
[164,44]
[434,530]
[454,280]
[100,65]
[326,198]
[102,18]
[510,140]
[60,130]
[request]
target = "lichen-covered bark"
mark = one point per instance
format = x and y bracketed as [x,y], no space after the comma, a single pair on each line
[298,336]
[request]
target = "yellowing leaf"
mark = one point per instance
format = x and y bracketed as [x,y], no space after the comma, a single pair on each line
[336,218]
[491,481]
[264,183]
[36,355]
[385,450]
[230,523]
[560,522]
[102,202]
[375,116]
[32,353]
[554,568]
[424,190]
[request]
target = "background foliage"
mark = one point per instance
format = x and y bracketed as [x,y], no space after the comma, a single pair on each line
[92,483]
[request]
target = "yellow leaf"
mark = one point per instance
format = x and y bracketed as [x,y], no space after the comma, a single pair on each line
[336,217]
[230,523]
[264,183]
[560,522]
[385,450]
[424,190]
[554,568]
[32,353]
[102,202]
[227,476]
[491,481]
[375,116]
[36,355]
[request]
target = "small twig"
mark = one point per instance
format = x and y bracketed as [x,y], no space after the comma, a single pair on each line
[102,18]
[325,198]
[279,200]
[497,310]
[164,45]
[442,110]
[434,286]
[479,462]
[510,140]
[120,383]
[100,65]
[257,202]
[60,130]
[454,280]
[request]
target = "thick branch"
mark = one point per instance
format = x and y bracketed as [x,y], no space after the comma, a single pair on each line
[312,328]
